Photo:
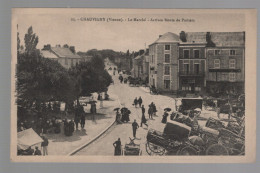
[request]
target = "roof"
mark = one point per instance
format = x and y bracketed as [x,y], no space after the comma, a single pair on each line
[48,54]
[196,37]
[226,39]
[168,37]
[64,52]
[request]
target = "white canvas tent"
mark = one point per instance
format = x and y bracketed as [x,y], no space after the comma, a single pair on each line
[27,138]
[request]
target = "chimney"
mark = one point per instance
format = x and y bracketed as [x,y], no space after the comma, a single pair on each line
[141,52]
[72,49]
[160,36]
[58,45]
[183,36]
[47,47]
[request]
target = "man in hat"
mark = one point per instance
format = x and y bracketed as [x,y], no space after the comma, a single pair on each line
[135,126]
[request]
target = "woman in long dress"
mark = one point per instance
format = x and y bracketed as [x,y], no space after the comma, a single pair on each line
[117,146]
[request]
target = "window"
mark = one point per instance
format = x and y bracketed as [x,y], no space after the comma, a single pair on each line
[186,68]
[232,52]
[66,61]
[217,52]
[186,87]
[196,68]
[152,59]
[186,54]
[72,63]
[232,77]
[140,69]
[196,53]
[167,84]
[216,63]
[167,58]
[232,63]
[224,76]
[167,70]
[197,88]
[167,47]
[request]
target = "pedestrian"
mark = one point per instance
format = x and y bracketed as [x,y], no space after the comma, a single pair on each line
[117,146]
[140,101]
[150,112]
[76,121]
[135,126]
[135,101]
[118,117]
[37,152]
[82,121]
[143,121]
[44,145]
[164,119]
[101,101]
[143,110]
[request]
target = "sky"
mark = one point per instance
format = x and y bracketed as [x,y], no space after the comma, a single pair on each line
[56,27]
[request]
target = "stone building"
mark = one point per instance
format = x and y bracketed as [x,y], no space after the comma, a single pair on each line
[163,62]
[141,65]
[198,62]
[66,56]
[226,63]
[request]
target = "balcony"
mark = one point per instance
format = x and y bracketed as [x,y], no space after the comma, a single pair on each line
[191,73]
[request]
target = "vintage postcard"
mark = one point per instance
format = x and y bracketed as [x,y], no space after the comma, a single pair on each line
[133,85]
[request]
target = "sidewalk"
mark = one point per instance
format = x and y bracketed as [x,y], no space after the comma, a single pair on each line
[59,144]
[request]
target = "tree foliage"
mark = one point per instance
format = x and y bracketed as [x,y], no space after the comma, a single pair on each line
[90,76]
[40,79]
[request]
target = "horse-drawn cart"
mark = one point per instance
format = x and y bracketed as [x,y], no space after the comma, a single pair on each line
[176,139]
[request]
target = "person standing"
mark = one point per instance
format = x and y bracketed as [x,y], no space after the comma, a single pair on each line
[135,101]
[76,120]
[135,126]
[117,146]
[82,121]
[140,101]
[44,145]
[143,121]
[150,112]
[101,101]
[143,110]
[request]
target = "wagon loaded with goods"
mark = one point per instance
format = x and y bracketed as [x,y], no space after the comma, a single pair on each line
[132,149]
[176,139]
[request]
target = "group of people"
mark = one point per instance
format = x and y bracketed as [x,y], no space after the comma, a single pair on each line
[37,152]
[124,116]
[41,125]
[138,101]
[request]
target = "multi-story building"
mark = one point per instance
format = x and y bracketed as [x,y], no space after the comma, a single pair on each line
[196,62]
[141,65]
[192,63]
[163,62]
[226,63]
[66,56]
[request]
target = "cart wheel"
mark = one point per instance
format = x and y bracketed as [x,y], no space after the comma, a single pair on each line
[217,150]
[153,149]
[187,151]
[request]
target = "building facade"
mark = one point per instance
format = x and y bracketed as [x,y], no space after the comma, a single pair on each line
[141,65]
[163,62]
[198,62]
[226,63]
[66,56]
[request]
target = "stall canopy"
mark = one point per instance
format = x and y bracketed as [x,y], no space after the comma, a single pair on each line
[27,138]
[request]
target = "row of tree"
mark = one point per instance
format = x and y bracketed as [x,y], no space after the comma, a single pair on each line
[41,80]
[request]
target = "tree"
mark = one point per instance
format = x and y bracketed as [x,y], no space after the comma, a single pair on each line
[40,79]
[30,40]
[90,77]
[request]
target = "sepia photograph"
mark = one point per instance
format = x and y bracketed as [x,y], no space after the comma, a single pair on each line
[133,85]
